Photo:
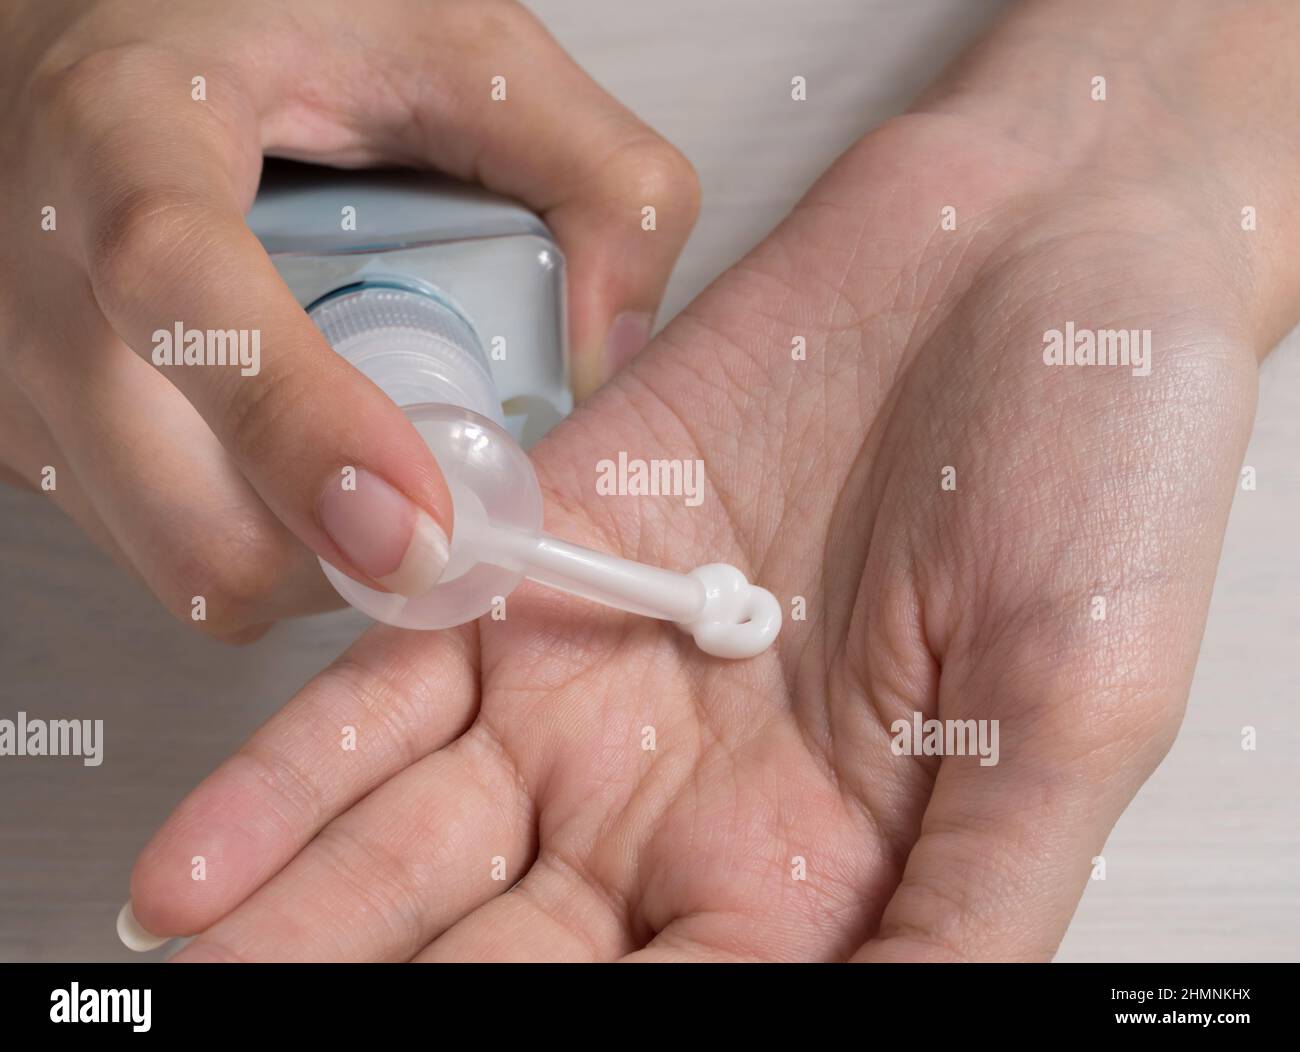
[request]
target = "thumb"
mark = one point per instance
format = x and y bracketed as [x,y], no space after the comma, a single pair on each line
[1006,850]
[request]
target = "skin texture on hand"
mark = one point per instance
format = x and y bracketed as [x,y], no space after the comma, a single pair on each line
[134,152]
[516,750]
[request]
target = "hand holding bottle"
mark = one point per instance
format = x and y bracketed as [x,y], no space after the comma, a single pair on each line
[133,155]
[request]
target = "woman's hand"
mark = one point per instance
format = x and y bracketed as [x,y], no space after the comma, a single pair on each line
[976,535]
[127,180]
[516,751]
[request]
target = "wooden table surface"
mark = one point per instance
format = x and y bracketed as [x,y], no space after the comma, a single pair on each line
[1205,865]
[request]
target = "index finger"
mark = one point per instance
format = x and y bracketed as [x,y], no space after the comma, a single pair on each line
[167,251]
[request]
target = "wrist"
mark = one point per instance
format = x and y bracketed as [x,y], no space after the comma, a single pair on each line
[1198,118]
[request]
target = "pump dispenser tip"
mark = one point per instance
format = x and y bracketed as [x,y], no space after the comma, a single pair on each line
[739,619]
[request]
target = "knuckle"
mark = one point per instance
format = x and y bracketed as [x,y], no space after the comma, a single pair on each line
[90,88]
[236,569]
[261,411]
[653,170]
[390,886]
[134,238]
[298,797]
[1106,723]
[398,715]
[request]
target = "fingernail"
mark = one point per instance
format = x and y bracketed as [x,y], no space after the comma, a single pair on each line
[627,336]
[134,935]
[384,534]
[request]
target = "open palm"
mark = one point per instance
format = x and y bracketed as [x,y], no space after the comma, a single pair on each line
[946,510]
